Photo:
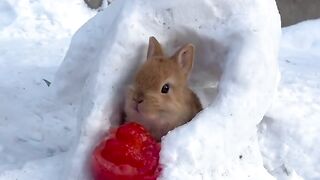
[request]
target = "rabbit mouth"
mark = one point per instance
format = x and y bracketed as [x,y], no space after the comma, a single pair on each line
[139,110]
[136,108]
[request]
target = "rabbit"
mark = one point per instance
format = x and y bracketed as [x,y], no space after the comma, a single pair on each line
[159,97]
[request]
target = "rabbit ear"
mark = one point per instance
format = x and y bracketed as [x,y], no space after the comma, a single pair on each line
[184,58]
[154,48]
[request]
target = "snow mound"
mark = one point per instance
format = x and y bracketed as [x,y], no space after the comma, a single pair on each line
[236,76]
[34,38]
[42,19]
[290,132]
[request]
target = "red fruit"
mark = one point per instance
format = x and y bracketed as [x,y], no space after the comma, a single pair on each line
[133,134]
[130,154]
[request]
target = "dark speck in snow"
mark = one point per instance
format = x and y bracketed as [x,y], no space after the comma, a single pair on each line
[48,83]
[66,128]
[21,140]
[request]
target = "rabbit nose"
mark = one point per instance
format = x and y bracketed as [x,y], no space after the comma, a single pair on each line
[138,100]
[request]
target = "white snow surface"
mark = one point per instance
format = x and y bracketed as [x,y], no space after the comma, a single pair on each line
[234,48]
[290,132]
[49,132]
[34,37]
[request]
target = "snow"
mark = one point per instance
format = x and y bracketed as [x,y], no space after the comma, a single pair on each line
[112,44]
[289,134]
[48,132]
[34,37]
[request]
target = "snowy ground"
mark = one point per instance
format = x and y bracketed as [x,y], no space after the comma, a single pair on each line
[34,37]
[35,131]
[290,132]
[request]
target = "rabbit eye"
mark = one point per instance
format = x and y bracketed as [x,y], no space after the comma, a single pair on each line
[165,88]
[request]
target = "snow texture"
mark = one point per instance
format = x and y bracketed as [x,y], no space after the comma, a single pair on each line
[47,132]
[289,134]
[235,50]
[34,37]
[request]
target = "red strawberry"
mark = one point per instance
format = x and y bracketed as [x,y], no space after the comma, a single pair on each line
[130,154]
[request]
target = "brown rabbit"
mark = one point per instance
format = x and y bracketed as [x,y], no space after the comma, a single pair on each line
[159,97]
